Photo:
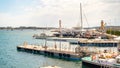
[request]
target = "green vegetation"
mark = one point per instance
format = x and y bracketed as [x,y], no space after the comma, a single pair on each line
[114,32]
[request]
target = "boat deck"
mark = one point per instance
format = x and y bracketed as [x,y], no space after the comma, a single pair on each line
[87,62]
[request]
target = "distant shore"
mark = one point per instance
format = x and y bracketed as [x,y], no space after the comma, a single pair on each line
[34,28]
[22,28]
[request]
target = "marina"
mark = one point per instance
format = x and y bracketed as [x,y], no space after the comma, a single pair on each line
[42,34]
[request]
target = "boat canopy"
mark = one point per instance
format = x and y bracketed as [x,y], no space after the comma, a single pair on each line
[118,38]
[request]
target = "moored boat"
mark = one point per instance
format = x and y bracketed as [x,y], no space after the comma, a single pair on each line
[41,36]
[103,60]
[97,42]
[51,67]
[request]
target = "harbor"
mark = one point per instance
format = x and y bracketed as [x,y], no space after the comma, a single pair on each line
[31,60]
[59,34]
[91,44]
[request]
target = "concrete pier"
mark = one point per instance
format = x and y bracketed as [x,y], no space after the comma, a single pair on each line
[49,51]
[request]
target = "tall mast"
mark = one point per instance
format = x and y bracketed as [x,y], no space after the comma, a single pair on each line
[60,33]
[60,28]
[81,16]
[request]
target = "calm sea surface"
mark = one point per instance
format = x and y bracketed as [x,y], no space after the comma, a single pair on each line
[11,58]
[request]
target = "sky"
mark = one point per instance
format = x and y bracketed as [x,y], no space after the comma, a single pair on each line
[47,13]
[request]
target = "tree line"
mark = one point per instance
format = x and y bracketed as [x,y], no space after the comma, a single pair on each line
[114,32]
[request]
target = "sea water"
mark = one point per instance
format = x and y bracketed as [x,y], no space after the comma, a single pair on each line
[11,58]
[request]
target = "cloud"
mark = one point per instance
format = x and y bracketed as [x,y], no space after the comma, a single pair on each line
[48,12]
[111,1]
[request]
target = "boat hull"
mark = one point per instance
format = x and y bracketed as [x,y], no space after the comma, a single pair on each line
[90,64]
